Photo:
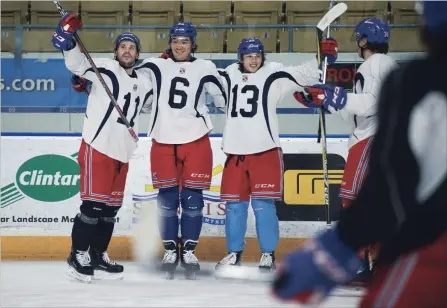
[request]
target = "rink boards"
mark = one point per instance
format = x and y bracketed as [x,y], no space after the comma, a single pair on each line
[40,197]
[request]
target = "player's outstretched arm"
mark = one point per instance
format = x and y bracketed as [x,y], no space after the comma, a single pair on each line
[308,73]
[215,87]
[63,39]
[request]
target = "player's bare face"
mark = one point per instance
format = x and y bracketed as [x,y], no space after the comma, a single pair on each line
[360,44]
[252,62]
[181,47]
[127,54]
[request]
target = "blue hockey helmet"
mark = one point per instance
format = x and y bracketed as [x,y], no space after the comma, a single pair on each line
[433,14]
[250,45]
[183,29]
[375,30]
[127,36]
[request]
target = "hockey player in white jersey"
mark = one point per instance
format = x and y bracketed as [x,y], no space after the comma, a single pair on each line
[254,166]
[358,109]
[181,156]
[106,146]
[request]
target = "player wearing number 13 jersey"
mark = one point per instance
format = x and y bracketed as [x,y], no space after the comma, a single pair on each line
[254,166]
[181,156]
[106,145]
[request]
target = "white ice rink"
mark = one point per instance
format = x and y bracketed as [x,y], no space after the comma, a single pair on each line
[45,284]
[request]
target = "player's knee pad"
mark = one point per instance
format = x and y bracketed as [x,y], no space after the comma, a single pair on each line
[168,201]
[92,209]
[237,209]
[267,225]
[192,202]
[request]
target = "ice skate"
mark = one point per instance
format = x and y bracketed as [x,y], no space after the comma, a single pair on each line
[233,258]
[189,260]
[267,262]
[170,259]
[104,268]
[80,268]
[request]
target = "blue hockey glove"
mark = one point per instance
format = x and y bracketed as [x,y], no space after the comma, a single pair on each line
[324,95]
[63,37]
[309,274]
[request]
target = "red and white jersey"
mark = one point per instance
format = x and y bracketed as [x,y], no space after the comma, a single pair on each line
[103,128]
[252,125]
[360,111]
[179,114]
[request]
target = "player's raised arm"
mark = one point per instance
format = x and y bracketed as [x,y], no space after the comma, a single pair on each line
[307,73]
[63,39]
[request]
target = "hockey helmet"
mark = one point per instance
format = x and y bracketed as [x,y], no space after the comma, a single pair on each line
[183,29]
[250,45]
[433,14]
[127,36]
[375,30]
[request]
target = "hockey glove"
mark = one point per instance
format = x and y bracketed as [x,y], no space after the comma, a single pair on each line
[308,275]
[63,37]
[323,95]
[79,84]
[329,50]
[166,54]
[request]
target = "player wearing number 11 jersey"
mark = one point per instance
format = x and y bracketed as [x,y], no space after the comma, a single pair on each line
[254,166]
[106,145]
[181,156]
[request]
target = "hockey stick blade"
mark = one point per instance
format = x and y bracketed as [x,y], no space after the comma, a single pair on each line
[334,13]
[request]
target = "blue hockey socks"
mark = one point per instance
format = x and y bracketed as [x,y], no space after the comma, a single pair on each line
[267,225]
[192,213]
[236,225]
[168,203]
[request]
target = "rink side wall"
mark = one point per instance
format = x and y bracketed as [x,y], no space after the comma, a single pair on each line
[40,197]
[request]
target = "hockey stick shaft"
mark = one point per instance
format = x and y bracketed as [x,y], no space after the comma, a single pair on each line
[62,12]
[322,123]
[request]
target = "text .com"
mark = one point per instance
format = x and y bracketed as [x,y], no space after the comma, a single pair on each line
[28,85]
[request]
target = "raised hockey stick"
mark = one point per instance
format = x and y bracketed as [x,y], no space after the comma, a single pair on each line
[324,24]
[98,74]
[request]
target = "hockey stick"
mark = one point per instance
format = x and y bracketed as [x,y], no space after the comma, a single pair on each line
[98,74]
[324,24]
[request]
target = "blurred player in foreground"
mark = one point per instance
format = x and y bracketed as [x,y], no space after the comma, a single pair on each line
[358,109]
[106,145]
[402,203]
[181,156]
[254,167]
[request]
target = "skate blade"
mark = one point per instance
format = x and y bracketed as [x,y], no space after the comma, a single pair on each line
[169,275]
[102,275]
[81,277]
[243,273]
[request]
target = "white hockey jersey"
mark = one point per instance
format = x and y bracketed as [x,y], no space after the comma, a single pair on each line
[179,114]
[360,111]
[103,128]
[252,125]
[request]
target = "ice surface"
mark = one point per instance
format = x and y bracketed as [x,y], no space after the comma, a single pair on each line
[45,284]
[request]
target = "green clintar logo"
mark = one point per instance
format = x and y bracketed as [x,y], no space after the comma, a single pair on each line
[49,178]
[46,178]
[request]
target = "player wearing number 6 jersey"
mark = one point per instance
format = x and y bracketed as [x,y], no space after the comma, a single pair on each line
[106,145]
[254,166]
[181,157]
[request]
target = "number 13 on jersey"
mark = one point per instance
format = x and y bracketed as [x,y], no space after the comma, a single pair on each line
[245,105]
